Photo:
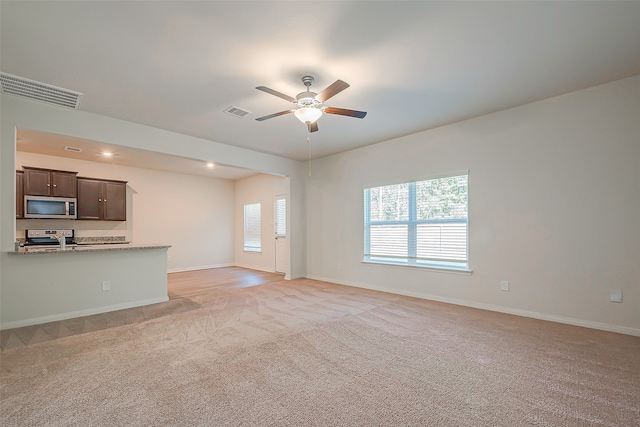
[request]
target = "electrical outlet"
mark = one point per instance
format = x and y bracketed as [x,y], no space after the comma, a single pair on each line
[615,295]
[106,285]
[504,285]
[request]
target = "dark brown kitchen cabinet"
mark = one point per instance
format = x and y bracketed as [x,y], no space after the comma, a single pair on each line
[100,199]
[48,182]
[115,200]
[19,194]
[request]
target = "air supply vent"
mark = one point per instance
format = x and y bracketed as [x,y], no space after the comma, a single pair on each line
[19,86]
[73,149]
[235,111]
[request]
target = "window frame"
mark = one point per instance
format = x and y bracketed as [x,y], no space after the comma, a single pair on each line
[246,229]
[280,216]
[412,223]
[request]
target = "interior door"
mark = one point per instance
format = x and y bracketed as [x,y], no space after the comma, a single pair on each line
[282,257]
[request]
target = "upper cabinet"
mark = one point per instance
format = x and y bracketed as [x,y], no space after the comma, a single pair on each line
[104,200]
[19,194]
[97,199]
[115,200]
[48,182]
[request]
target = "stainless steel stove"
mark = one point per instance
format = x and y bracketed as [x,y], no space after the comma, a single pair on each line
[49,237]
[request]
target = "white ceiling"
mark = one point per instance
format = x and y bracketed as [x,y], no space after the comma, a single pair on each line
[411,65]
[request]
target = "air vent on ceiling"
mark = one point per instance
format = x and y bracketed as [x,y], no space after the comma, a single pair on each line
[73,149]
[235,111]
[31,89]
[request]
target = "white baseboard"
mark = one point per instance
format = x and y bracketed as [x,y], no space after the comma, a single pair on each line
[200,267]
[80,313]
[252,267]
[517,312]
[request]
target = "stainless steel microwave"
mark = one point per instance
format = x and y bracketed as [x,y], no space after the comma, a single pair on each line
[50,207]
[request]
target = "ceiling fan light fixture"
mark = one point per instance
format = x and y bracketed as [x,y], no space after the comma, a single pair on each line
[308,114]
[309,106]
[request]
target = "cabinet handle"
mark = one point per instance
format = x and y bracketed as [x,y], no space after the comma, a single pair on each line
[99,200]
[55,185]
[105,200]
[48,185]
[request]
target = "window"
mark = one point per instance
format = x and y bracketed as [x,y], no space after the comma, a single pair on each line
[252,230]
[422,223]
[281,217]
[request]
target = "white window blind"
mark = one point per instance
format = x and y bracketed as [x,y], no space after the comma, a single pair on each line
[252,229]
[281,217]
[422,223]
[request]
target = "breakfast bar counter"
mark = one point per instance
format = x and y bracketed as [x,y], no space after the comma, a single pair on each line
[48,283]
[40,250]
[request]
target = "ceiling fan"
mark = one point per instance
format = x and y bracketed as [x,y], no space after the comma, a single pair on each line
[309,105]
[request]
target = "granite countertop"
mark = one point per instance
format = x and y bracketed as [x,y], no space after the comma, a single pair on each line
[100,240]
[97,247]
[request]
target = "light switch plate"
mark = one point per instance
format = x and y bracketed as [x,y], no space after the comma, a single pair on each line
[504,285]
[615,295]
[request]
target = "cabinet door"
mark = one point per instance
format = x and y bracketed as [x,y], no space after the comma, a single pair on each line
[64,184]
[89,199]
[19,194]
[115,201]
[37,182]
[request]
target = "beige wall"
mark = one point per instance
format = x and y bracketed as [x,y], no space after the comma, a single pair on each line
[258,189]
[554,202]
[193,214]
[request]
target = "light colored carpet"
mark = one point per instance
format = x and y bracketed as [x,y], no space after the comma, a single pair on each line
[310,353]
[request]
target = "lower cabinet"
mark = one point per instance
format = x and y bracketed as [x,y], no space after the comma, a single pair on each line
[103,200]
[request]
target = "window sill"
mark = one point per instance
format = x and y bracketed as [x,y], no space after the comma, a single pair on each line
[252,252]
[434,268]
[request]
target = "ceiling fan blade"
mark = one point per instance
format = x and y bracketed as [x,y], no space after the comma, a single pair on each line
[270,116]
[276,93]
[345,112]
[313,127]
[337,87]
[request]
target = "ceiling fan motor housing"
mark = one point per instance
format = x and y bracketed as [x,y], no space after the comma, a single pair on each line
[308,100]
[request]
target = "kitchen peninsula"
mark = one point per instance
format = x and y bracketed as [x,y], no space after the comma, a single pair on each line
[56,273]
[100,247]
[83,280]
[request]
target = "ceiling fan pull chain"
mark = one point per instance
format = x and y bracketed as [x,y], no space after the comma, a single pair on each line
[309,144]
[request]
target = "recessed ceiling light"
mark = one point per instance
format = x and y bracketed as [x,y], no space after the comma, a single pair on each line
[107,154]
[210,165]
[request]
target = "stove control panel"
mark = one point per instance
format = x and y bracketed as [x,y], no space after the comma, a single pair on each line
[49,233]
